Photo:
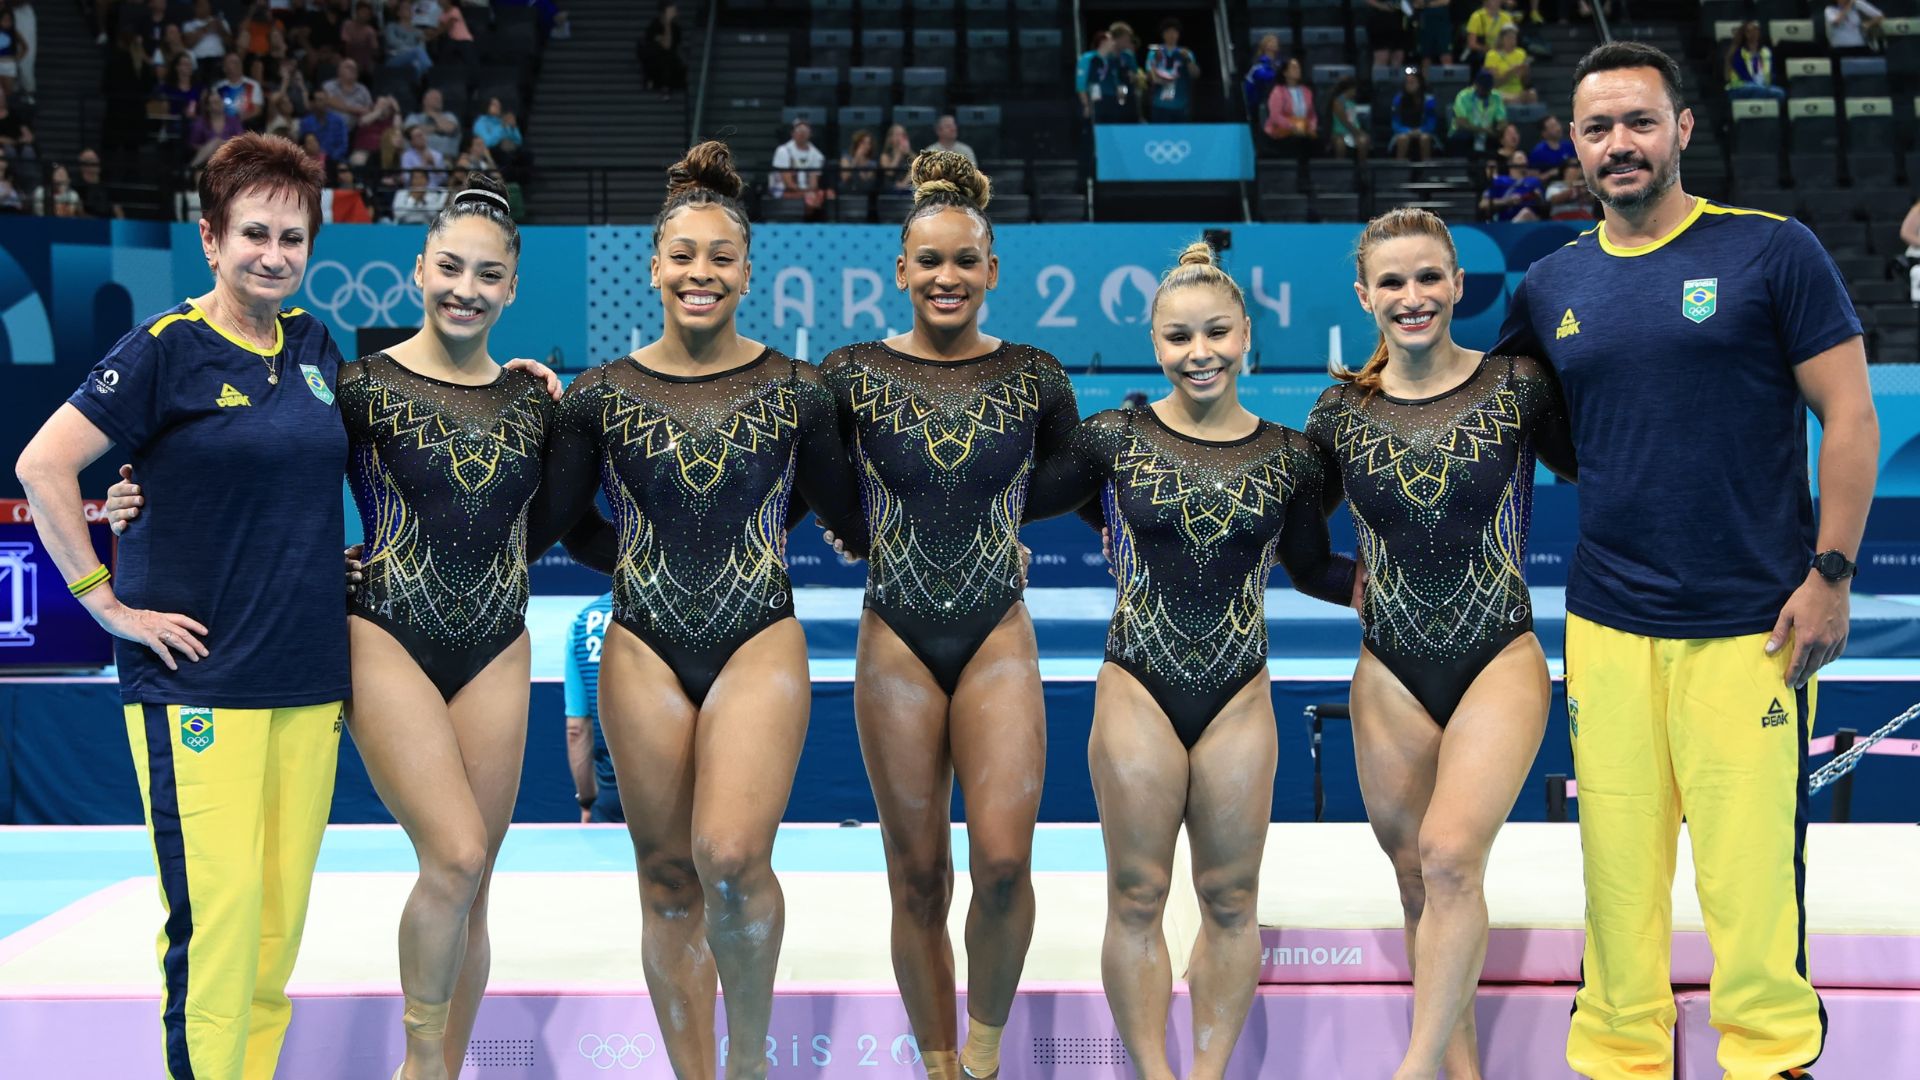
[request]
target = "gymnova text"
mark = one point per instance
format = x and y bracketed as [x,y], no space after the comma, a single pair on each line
[1301,956]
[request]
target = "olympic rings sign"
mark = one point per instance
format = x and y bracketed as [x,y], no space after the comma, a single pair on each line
[1167,151]
[368,298]
[617,1051]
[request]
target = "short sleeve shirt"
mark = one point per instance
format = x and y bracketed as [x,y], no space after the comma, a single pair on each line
[244,522]
[1677,359]
[583,677]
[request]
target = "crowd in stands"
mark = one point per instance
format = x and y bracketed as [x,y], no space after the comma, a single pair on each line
[1116,85]
[801,170]
[361,85]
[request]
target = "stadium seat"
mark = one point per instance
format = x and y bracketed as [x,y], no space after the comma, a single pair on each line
[1813,141]
[934,48]
[1870,140]
[935,15]
[1271,12]
[1903,44]
[988,52]
[1043,58]
[830,48]
[918,120]
[1036,13]
[1260,32]
[818,118]
[1333,177]
[853,209]
[1323,76]
[1014,207]
[883,48]
[1791,34]
[1321,12]
[1810,76]
[1334,206]
[924,86]
[1864,76]
[870,86]
[1323,45]
[980,129]
[1756,125]
[832,14]
[883,14]
[988,15]
[787,210]
[852,118]
[818,86]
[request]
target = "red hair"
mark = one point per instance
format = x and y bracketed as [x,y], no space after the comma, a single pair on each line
[254,164]
[1392,225]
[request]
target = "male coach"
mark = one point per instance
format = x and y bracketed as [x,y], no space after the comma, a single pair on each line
[1691,339]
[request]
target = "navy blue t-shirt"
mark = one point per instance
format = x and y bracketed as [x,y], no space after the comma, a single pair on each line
[1677,358]
[242,527]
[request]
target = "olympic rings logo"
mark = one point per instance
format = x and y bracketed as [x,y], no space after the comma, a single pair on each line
[364,299]
[1167,152]
[616,1051]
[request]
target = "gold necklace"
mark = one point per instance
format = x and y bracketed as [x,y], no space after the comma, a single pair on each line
[272,363]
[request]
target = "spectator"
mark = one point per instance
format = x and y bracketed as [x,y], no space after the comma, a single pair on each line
[594,783]
[443,127]
[1133,81]
[1348,132]
[479,157]
[281,120]
[1553,150]
[1171,70]
[1100,80]
[797,164]
[1749,65]
[1507,145]
[406,46]
[150,25]
[419,155]
[1513,193]
[211,125]
[1292,123]
[1483,30]
[1261,78]
[1435,20]
[859,169]
[946,136]
[16,138]
[171,46]
[553,21]
[239,95]
[393,146]
[328,128]
[1416,120]
[310,145]
[180,93]
[256,33]
[279,79]
[1478,114]
[1567,197]
[360,38]
[1612,8]
[57,198]
[347,93]
[27,24]
[128,85]
[896,159]
[497,128]
[207,37]
[96,201]
[418,203]
[1387,32]
[325,19]
[347,202]
[1849,24]
[10,201]
[1512,73]
[659,52]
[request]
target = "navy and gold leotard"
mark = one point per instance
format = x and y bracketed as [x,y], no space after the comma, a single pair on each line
[443,474]
[1441,491]
[943,451]
[1196,525]
[700,472]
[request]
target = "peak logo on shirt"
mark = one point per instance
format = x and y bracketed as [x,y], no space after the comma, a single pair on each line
[1699,299]
[1569,326]
[230,398]
[1775,717]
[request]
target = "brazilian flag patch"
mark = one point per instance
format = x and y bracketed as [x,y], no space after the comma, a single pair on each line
[316,382]
[196,729]
[1699,299]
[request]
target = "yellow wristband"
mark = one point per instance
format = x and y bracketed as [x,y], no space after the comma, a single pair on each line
[90,582]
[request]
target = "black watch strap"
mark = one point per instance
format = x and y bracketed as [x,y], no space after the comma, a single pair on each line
[1835,566]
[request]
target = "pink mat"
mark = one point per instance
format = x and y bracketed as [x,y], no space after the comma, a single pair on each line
[1536,955]
[1871,1035]
[1061,1031]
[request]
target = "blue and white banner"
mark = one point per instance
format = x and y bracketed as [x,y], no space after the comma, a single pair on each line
[1173,152]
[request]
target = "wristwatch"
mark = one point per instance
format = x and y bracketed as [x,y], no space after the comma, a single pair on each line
[1835,566]
[586,801]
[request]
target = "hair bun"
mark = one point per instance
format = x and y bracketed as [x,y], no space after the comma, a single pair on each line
[708,166]
[943,171]
[1198,253]
[483,188]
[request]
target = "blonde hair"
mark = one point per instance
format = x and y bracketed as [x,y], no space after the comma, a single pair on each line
[1393,225]
[1198,265]
[943,179]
